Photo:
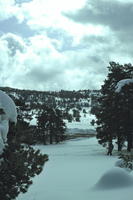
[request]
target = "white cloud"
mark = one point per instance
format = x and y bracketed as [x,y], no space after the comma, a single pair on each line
[8,8]
[49,14]
[40,66]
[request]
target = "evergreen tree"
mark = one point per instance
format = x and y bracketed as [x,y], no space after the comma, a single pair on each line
[76,115]
[109,117]
[60,126]
[23,131]
[19,163]
[125,104]
[69,118]
[42,125]
[50,125]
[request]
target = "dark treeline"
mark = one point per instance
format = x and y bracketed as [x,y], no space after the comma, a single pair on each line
[31,94]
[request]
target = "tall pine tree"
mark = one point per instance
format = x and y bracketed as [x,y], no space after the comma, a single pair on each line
[50,125]
[110,122]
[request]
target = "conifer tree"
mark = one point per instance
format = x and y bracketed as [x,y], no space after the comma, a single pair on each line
[125,103]
[50,125]
[109,117]
[18,164]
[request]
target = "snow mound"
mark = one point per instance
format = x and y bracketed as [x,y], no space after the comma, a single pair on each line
[8,113]
[7,104]
[114,179]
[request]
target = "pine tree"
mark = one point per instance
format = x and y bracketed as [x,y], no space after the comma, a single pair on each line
[50,125]
[125,104]
[110,123]
[60,126]
[18,164]
[23,131]
[42,128]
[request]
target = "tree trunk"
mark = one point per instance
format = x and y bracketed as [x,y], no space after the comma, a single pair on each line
[44,140]
[129,142]
[57,139]
[119,143]
[51,138]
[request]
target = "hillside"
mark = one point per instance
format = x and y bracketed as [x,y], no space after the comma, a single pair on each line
[75,106]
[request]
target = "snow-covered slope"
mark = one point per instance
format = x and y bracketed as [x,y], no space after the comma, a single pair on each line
[68,102]
[82,127]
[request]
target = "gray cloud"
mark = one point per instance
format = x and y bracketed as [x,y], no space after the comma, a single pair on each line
[15,43]
[115,14]
[40,74]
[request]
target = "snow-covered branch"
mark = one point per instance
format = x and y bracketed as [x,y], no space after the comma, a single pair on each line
[8,113]
[122,83]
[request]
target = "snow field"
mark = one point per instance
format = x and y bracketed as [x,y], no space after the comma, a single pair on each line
[84,126]
[73,169]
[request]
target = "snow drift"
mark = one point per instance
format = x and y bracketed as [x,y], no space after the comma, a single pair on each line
[114,179]
[7,104]
[8,113]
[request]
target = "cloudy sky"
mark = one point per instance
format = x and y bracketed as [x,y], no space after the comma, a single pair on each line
[63,44]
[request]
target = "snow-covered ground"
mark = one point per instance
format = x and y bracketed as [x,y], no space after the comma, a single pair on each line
[84,126]
[73,169]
